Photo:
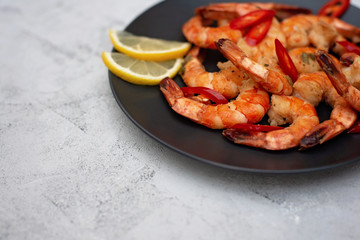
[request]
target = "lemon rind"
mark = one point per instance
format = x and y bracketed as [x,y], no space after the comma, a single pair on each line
[161,55]
[135,78]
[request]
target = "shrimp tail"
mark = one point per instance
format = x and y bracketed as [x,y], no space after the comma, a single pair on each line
[321,133]
[333,71]
[249,138]
[237,56]
[170,90]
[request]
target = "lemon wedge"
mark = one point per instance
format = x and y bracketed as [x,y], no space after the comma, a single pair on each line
[145,48]
[140,72]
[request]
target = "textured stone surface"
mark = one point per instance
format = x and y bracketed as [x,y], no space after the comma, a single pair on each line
[73,166]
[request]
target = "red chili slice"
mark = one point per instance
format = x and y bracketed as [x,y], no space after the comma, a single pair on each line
[285,62]
[334,8]
[253,127]
[213,95]
[355,128]
[258,32]
[350,47]
[251,19]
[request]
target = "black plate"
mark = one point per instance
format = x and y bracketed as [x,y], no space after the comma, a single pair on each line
[147,108]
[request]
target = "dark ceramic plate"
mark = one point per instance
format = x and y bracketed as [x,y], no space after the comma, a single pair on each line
[147,108]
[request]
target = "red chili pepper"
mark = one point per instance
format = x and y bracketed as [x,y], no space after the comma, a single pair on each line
[334,8]
[253,127]
[285,61]
[213,95]
[355,128]
[350,47]
[251,19]
[258,32]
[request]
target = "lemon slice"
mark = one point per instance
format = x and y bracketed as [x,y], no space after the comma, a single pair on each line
[146,48]
[140,72]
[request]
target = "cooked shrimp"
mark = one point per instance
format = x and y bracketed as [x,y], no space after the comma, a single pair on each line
[284,109]
[338,79]
[201,34]
[314,88]
[305,61]
[232,10]
[205,36]
[321,31]
[226,81]
[249,107]
[264,52]
[274,81]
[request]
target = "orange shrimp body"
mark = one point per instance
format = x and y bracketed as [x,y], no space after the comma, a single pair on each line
[249,107]
[338,79]
[320,31]
[272,80]
[205,36]
[198,31]
[304,59]
[284,109]
[314,88]
[226,81]
[264,52]
[230,10]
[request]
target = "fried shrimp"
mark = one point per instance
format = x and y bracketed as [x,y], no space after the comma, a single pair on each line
[249,107]
[338,79]
[314,88]
[226,81]
[272,80]
[284,109]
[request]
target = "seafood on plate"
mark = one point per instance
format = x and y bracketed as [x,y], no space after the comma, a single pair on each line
[282,61]
[322,32]
[225,81]
[232,10]
[274,81]
[284,109]
[250,106]
[204,36]
[314,88]
[339,80]
[200,31]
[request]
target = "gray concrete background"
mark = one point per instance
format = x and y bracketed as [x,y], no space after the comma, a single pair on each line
[73,166]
